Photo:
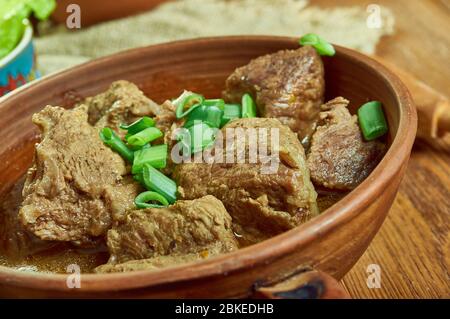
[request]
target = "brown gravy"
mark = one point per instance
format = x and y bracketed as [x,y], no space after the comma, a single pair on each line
[57,258]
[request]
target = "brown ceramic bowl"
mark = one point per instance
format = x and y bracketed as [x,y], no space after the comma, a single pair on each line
[332,242]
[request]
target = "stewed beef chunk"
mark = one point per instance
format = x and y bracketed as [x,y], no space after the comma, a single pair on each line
[15,240]
[123,102]
[339,157]
[287,85]
[262,203]
[66,191]
[187,230]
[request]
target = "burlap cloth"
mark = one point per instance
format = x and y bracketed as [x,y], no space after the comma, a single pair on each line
[183,19]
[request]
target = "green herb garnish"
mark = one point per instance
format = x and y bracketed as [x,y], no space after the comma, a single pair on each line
[13,20]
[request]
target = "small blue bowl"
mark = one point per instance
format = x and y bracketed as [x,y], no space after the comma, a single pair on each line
[19,66]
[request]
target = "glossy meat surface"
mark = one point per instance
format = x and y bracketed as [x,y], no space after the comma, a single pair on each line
[187,230]
[262,203]
[64,194]
[288,85]
[339,157]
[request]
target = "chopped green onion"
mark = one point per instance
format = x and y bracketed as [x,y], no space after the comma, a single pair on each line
[138,126]
[211,115]
[202,136]
[186,103]
[156,156]
[322,47]
[197,137]
[248,106]
[142,200]
[156,181]
[110,138]
[372,121]
[137,148]
[145,136]
[215,102]
[230,112]
[138,178]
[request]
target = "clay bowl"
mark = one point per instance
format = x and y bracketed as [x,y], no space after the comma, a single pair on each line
[332,242]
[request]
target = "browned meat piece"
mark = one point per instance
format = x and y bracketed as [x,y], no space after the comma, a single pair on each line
[288,85]
[201,226]
[65,192]
[119,198]
[165,118]
[339,157]
[15,240]
[123,102]
[262,205]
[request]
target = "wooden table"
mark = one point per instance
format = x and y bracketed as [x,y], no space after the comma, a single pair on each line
[413,245]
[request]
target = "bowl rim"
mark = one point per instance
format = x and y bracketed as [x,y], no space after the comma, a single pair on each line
[26,39]
[270,249]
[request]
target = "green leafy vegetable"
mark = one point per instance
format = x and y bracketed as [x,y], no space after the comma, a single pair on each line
[41,8]
[13,15]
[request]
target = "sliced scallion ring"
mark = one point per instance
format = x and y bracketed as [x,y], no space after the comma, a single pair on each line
[156,181]
[139,125]
[372,121]
[143,199]
[322,46]
[186,103]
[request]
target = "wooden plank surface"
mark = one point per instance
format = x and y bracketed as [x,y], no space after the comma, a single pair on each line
[413,245]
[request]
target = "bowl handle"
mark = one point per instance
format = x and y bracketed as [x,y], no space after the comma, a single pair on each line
[310,284]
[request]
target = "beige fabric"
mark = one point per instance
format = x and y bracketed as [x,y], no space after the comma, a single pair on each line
[197,18]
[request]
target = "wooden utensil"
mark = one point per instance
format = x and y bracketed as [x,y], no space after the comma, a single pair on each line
[308,284]
[330,243]
[433,108]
